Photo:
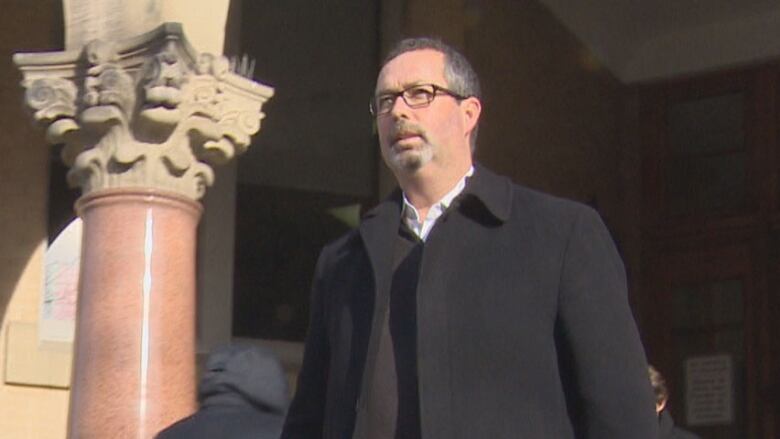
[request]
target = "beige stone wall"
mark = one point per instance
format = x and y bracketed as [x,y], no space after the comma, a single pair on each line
[27,411]
[203,21]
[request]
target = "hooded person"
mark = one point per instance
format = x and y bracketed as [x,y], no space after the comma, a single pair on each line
[666,427]
[242,394]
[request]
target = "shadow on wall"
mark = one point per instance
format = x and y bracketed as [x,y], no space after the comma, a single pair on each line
[23,220]
[11,273]
[24,26]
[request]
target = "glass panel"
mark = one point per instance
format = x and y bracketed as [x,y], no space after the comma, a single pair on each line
[705,184]
[707,125]
[701,306]
[707,320]
[279,235]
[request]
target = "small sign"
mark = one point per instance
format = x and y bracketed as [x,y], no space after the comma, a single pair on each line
[709,390]
[58,310]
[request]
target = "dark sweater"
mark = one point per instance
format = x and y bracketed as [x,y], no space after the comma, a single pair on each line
[394,411]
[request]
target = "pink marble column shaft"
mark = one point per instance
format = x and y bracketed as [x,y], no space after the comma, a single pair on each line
[134,359]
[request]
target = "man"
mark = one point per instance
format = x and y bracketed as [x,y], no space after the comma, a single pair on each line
[465,306]
[666,427]
[243,394]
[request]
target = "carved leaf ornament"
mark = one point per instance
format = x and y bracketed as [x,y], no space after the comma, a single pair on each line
[148,112]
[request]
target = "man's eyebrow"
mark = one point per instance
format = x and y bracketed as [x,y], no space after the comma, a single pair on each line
[386,91]
[406,86]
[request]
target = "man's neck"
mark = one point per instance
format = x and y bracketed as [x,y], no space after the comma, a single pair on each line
[424,189]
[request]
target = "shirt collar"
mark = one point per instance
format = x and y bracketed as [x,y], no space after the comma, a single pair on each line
[493,192]
[410,213]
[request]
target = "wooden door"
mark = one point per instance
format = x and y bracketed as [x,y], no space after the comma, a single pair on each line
[709,203]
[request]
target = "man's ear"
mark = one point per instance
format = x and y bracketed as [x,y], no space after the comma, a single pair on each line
[472,108]
[659,406]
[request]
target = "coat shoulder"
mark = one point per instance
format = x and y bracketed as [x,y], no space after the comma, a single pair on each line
[548,211]
[532,200]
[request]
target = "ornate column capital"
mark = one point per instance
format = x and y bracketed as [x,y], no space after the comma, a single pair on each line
[143,112]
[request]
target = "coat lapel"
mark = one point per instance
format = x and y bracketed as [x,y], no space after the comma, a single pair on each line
[379,232]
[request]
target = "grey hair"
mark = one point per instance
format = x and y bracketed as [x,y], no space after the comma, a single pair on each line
[461,77]
[659,385]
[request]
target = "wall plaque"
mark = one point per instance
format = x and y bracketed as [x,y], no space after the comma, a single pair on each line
[709,390]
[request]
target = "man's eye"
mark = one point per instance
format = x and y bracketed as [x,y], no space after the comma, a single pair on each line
[385,100]
[419,92]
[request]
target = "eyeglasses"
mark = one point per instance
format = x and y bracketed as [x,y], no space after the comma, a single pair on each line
[416,96]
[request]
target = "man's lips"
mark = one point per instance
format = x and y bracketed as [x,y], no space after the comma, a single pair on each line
[398,138]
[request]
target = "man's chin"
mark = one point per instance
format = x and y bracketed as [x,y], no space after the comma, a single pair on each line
[409,161]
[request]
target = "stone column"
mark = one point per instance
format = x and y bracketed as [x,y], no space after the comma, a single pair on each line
[141,122]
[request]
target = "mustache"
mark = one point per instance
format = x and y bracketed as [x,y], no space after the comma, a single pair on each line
[404,128]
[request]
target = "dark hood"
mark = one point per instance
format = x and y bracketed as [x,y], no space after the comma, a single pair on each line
[237,374]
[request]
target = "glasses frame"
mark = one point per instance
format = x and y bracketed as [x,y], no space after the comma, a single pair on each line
[404,94]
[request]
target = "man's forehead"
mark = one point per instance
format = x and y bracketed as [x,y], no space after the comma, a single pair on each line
[415,67]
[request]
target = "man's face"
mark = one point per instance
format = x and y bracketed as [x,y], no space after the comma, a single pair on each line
[413,138]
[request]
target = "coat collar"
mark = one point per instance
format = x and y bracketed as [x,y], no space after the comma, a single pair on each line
[493,191]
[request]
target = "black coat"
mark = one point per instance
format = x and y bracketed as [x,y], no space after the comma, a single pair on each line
[524,328]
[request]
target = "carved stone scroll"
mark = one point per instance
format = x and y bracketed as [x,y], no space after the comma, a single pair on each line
[147,112]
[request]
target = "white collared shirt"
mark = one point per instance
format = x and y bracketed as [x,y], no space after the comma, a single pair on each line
[411,216]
